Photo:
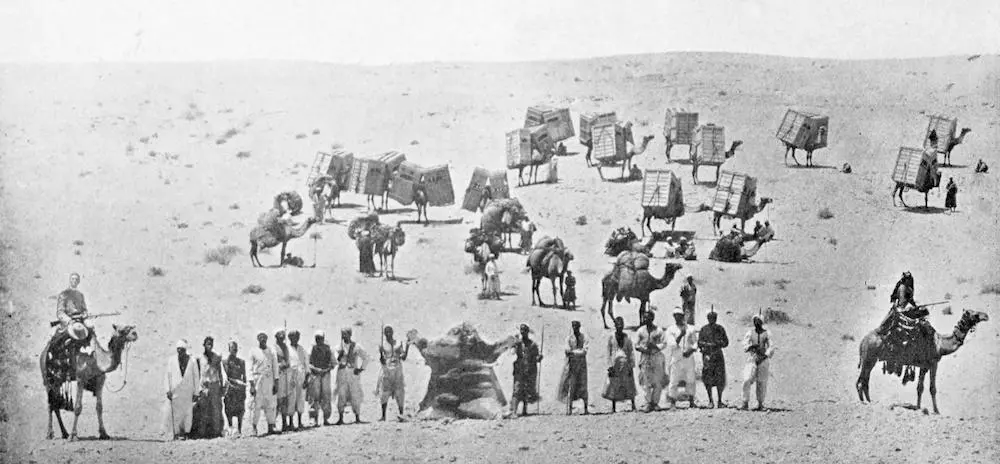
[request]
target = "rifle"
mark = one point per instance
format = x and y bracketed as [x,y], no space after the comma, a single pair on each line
[933,304]
[89,316]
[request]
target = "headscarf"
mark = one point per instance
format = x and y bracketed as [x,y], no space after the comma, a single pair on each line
[182,343]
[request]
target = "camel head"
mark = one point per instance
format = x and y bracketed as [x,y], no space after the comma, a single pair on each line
[397,236]
[125,333]
[671,268]
[646,138]
[732,148]
[971,318]
[965,130]
[764,201]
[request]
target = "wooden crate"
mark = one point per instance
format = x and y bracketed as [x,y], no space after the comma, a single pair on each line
[497,180]
[802,130]
[945,128]
[608,143]
[916,169]
[708,145]
[518,148]
[320,166]
[392,159]
[402,182]
[440,191]
[589,120]
[340,161]
[679,125]
[661,190]
[368,176]
[558,120]
[735,195]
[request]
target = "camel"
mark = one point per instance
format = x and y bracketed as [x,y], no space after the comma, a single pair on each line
[64,371]
[387,242]
[420,199]
[268,236]
[923,353]
[550,263]
[632,152]
[644,284]
[482,256]
[503,216]
[717,216]
[533,167]
[621,240]
[650,212]
[952,143]
[900,187]
[383,193]
[736,250]
[718,168]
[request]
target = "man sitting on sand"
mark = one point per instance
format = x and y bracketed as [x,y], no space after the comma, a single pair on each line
[982,167]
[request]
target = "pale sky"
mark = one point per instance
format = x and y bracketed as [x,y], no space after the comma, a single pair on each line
[395,31]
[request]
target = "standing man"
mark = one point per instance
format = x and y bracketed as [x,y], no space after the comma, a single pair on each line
[683,342]
[208,421]
[391,353]
[621,361]
[236,394]
[528,357]
[712,339]
[320,365]
[528,230]
[281,354]
[569,294]
[688,293]
[298,363]
[951,197]
[759,348]
[652,370]
[263,383]
[351,361]
[182,381]
[573,382]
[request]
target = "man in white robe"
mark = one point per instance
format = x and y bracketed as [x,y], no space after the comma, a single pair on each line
[182,384]
[759,347]
[298,366]
[682,341]
[263,383]
[351,361]
[652,364]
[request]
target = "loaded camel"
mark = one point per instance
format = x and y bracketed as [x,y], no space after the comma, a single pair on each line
[629,154]
[924,353]
[718,168]
[717,216]
[639,287]
[900,187]
[550,259]
[953,142]
[280,232]
[503,217]
[383,193]
[387,241]
[66,370]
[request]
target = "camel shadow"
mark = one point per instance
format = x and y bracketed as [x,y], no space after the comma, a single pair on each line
[622,180]
[569,153]
[532,184]
[334,221]
[398,279]
[432,222]
[113,438]
[397,211]
[708,183]
[925,209]
[346,205]
[814,166]
[953,166]
[909,406]
[680,160]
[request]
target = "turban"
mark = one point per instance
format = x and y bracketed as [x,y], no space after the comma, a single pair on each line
[182,343]
[678,310]
[279,330]
[320,333]
[346,330]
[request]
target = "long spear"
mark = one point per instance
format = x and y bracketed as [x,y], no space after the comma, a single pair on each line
[170,404]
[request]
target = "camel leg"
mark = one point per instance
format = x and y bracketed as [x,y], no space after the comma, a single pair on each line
[51,435]
[866,370]
[77,408]
[99,407]
[673,224]
[534,288]
[920,385]
[925,198]
[933,388]
[555,301]
[62,427]
[281,260]
[694,173]
[604,321]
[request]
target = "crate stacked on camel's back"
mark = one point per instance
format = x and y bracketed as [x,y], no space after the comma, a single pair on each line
[708,145]
[557,121]
[370,176]
[803,131]
[402,182]
[589,120]
[331,164]
[481,178]
[437,181]
[944,128]
[916,169]
[661,191]
[523,143]
[679,126]
[735,195]
[609,141]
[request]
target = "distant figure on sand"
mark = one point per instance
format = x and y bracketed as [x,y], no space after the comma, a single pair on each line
[569,293]
[951,198]
[982,167]
[492,273]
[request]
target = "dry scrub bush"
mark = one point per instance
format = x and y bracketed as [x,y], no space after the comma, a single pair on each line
[222,255]
[825,213]
[253,289]
[993,288]
[155,272]
[755,283]
[293,297]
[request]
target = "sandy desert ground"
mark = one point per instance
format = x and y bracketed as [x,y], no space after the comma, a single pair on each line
[87,188]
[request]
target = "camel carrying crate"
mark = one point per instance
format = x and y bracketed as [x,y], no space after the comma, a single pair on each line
[916,169]
[609,142]
[735,195]
[945,129]
[496,180]
[679,125]
[392,159]
[661,190]
[440,191]
[802,130]
[402,182]
[560,125]
[708,145]
[589,120]
[321,166]
[367,176]
[522,143]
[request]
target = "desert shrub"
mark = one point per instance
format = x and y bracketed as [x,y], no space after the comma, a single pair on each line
[78,242]
[581,221]
[993,288]
[300,135]
[234,206]
[222,255]
[315,131]
[243,155]
[832,241]
[776,316]
[755,283]
[782,283]
[253,289]
[155,272]
[825,213]
[292,297]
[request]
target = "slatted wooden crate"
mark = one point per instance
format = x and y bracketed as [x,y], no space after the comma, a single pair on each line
[340,161]
[402,182]
[708,145]
[368,176]
[392,159]
[802,130]
[518,148]
[661,190]
[679,125]
[608,143]
[558,120]
[320,166]
[735,195]
[589,120]
[496,180]
[916,169]
[440,191]
[945,129]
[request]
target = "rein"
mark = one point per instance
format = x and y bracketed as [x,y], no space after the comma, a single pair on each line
[128,346]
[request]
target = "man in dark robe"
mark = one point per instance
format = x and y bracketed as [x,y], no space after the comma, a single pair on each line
[208,421]
[525,372]
[712,339]
[236,395]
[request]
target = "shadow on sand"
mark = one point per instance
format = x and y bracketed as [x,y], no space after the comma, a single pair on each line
[814,166]
[432,222]
[925,209]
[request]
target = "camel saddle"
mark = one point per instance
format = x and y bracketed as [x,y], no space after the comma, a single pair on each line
[903,338]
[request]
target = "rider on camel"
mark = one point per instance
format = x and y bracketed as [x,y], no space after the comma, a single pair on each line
[903,302]
[72,315]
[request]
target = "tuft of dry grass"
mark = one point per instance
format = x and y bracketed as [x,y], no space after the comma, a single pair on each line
[824,213]
[993,288]
[775,316]
[846,337]
[78,242]
[300,136]
[155,272]
[832,241]
[292,297]
[222,255]
[755,283]
[315,131]
[234,206]
[414,142]
[581,221]
[337,145]
[782,283]
[252,289]
[243,155]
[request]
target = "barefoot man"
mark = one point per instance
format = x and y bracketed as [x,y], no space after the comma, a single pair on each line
[351,361]
[391,353]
